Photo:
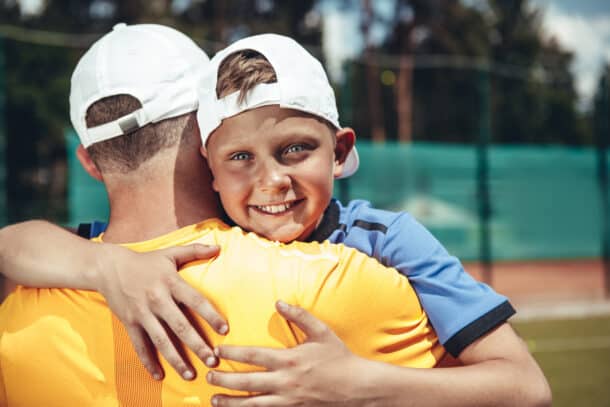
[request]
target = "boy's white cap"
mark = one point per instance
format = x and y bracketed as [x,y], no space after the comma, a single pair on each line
[158,65]
[301,84]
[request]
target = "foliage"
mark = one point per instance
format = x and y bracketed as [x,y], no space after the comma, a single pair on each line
[532,95]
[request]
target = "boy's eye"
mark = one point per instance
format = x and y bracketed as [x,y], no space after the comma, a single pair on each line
[295,148]
[239,156]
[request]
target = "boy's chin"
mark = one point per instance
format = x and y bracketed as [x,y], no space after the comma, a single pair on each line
[285,234]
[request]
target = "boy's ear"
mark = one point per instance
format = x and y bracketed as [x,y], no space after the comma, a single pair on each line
[88,164]
[345,140]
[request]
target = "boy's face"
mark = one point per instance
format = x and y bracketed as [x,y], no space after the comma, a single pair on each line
[274,170]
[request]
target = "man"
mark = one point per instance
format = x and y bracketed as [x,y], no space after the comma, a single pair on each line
[155,201]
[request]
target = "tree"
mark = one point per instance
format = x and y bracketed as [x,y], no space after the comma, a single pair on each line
[438,49]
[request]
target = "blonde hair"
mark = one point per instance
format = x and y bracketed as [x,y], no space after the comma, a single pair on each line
[242,71]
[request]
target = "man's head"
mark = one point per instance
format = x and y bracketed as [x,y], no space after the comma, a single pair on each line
[134,94]
[270,130]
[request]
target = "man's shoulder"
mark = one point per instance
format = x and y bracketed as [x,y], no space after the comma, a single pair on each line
[36,308]
[259,248]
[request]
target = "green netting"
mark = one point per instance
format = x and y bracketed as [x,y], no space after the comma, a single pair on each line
[545,201]
[87,199]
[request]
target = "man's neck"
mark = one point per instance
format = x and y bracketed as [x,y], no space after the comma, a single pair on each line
[152,220]
[156,206]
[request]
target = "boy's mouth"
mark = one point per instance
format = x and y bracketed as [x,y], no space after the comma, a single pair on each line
[277,209]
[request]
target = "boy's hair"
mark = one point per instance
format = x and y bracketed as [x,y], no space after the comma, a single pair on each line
[126,153]
[242,71]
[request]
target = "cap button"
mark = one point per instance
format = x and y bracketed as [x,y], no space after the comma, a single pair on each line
[119,26]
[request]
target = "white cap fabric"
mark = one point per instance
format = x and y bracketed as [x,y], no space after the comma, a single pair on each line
[158,65]
[301,84]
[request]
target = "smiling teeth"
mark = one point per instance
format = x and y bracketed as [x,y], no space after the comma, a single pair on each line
[275,208]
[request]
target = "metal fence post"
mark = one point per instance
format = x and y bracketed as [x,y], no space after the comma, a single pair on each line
[483,175]
[603,134]
[345,116]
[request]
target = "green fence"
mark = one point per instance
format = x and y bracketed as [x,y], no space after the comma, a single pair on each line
[87,199]
[545,201]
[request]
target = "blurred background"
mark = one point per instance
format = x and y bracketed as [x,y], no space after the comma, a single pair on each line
[487,120]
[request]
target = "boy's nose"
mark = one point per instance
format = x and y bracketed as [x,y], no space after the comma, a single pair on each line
[273,178]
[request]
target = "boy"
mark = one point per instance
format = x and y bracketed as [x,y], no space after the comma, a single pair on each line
[270,132]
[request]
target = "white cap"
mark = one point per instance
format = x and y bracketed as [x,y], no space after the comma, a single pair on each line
[158,65]
[301,84]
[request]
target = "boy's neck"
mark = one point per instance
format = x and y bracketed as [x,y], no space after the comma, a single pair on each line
[328,223]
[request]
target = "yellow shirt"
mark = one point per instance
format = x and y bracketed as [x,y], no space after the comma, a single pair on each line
[64,347]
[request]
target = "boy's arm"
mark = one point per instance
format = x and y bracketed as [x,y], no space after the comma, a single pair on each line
[442,285]
[40,254]
[498,371]
[142,289]
[376,322]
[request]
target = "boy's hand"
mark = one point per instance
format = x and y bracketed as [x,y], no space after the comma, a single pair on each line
[145,292]
[321,371]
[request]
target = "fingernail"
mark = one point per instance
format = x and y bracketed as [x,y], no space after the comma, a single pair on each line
[282,305]
[210,361]
[188,375]
[214,401]
[157,376]
[223,329]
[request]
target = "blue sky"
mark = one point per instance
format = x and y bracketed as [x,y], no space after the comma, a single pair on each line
[582,27]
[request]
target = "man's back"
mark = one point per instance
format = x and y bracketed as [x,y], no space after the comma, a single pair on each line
[63,347]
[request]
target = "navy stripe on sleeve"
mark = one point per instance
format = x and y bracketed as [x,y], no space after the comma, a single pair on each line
[476,329]
[372,226]
[84,230]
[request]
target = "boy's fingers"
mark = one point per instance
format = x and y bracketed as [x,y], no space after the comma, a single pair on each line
[262,400]
[251,381]
[144,351]
[268,358]
[161,341]
[187,295]
[192,252]
[313,328]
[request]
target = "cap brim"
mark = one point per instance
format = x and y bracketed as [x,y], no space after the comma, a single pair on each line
[351,164]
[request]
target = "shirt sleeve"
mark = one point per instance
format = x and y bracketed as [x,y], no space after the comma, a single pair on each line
[364,303]
[460,309]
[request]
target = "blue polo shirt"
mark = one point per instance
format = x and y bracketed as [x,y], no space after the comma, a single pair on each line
[460,309]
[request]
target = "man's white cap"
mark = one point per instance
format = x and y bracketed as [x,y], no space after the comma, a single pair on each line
[158,65]
[301,84]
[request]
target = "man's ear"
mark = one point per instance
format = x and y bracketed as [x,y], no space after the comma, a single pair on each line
[204,153]
[88,164]
[345,140]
